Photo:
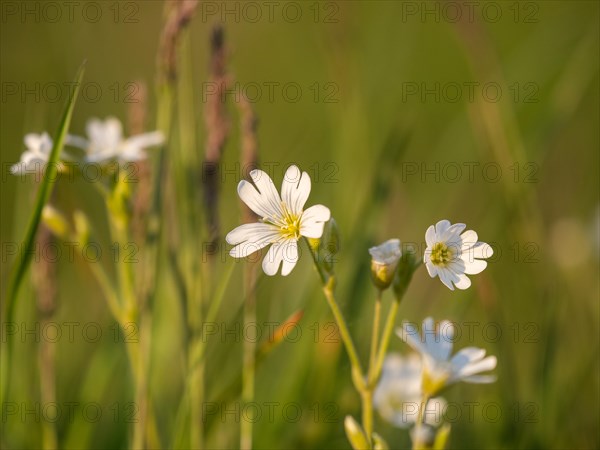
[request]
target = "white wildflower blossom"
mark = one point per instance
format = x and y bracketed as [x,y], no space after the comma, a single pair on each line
[452,255]
[283,219]
[398,395]
[439,368]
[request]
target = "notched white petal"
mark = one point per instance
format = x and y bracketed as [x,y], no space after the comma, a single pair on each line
[441,227]
[273,258]
[290,257]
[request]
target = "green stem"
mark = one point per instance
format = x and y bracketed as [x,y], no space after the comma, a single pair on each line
[375,334]
[344,333]
[367,392]
[417,444]
[249,355]
[385,341]
[119,222]
[112,299]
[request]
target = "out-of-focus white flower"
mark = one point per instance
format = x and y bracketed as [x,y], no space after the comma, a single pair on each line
[439,369]
[35,158]
[452,255]
[283,219]
[106,142]
[398,395]
[384,261]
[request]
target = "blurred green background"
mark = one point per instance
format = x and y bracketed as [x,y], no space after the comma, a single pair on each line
[384,119]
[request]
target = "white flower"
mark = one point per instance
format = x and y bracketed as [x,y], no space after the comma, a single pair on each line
[384,260]
[435,347]
[398,395]
[451,255]
[283,223]
[35,158]
[106,142]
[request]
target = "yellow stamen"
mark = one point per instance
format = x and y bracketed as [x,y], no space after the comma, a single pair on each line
[441,254]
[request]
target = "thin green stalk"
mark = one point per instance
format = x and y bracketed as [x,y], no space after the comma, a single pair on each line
[417,444]
[196,383]
[375,333]
[357,371]
[249,355]
[112,299]
[196,366]
[367,392]
[119,224]
[385,341]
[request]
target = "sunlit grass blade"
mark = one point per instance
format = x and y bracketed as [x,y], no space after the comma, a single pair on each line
[43,194]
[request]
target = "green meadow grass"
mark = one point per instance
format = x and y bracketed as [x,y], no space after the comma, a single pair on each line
[373,149]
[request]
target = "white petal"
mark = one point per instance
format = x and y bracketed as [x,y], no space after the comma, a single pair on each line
[34,160]
[129,153]
[17,169]
[248,247]
[313,220]
[295,189]
[480,250]
[76,141]
[469,238]
[256,201]
[446,276]
[452,234]
[290,257]
[431,268]
[94,129]
[273,258]
[268,192]
[113,132]
[250,232]
[409,333]
[387,253]
[474,267]
[438,341]
[480,379]
[33,142]
[466,356]
[484,365]
[250,238]
[146,140]
[101,155]
[441,227]
[430,236]
[464,282]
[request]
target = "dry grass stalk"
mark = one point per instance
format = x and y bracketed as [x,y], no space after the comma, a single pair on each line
[179,14]
[217,128]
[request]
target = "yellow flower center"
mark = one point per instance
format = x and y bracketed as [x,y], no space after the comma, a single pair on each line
[434,381]
[441,254]
[291,229]
[289,223]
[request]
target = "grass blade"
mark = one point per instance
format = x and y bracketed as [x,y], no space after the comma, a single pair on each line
[43,194]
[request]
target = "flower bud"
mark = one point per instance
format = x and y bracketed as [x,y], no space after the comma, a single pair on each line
[82,228]
[422,436]
[55,222]
[384,261]
[330,245]
[406,267]
[355,434]
[379,443]
[441,438]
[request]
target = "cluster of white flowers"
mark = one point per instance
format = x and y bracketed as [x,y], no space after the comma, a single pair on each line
[407,384]
[104,143]
[283,221]
[406,381]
